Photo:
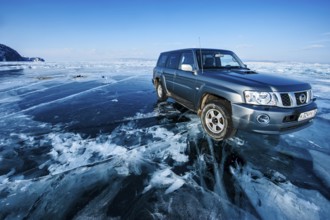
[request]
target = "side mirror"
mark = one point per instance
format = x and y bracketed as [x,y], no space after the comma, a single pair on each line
[187,67]
[245,65]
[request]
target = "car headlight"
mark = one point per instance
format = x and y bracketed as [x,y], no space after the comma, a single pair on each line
[260,98]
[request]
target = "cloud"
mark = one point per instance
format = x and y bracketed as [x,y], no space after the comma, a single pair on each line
[314,46]
[320,41]
[326,34]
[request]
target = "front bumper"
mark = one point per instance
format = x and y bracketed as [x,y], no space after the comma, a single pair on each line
[282,120]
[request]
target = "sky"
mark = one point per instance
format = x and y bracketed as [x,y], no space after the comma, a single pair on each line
[99,30]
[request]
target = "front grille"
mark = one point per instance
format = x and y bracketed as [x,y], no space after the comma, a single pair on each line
[301,98]
[294,99]
[285,99]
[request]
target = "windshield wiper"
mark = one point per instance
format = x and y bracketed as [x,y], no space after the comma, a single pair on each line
[224,67]
[233,67]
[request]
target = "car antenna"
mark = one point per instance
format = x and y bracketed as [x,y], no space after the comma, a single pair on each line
[200,53]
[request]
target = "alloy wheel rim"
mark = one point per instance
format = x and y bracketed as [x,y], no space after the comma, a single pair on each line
[214,121]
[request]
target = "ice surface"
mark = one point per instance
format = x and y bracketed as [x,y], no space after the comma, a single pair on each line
[321,164]
[89,140]
[283,201]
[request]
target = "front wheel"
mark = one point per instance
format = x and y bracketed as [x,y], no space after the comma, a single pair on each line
[161,94]
[217,121]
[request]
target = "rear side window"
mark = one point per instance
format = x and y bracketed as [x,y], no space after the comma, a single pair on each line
[173,60]
[162,60]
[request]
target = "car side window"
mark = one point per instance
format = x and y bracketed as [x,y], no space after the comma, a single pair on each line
[173,61]
[162,60]
[187,58]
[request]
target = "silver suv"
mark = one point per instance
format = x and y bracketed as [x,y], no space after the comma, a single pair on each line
[228,96]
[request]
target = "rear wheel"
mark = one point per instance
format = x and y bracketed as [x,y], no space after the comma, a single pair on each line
[216,120]
[161,94]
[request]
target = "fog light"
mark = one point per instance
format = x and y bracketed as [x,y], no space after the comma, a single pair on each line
[263,119]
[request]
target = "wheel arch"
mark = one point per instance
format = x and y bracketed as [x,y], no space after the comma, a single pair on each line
[208,97]
[160,79]
[208,101]
[156,80]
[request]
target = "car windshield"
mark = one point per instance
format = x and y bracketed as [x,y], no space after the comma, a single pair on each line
[216,59]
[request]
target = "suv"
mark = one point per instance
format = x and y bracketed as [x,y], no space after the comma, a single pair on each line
[228,96]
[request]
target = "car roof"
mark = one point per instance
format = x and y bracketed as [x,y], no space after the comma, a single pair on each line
[196,49]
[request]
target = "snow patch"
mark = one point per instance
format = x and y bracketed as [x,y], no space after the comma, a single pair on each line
[165,179]
[71,151]
[175,144]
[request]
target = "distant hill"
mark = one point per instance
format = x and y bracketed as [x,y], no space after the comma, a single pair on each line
[9,54]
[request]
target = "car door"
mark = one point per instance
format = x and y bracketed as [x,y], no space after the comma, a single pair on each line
[170,70]
[185,79]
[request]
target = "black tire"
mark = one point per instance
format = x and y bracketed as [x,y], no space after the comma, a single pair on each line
[217,121]
[161,93]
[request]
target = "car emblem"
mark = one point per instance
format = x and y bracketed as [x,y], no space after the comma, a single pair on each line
[302,98]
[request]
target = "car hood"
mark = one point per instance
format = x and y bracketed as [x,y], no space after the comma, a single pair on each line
[251,78]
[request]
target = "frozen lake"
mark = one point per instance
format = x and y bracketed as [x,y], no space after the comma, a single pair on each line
[89,140]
